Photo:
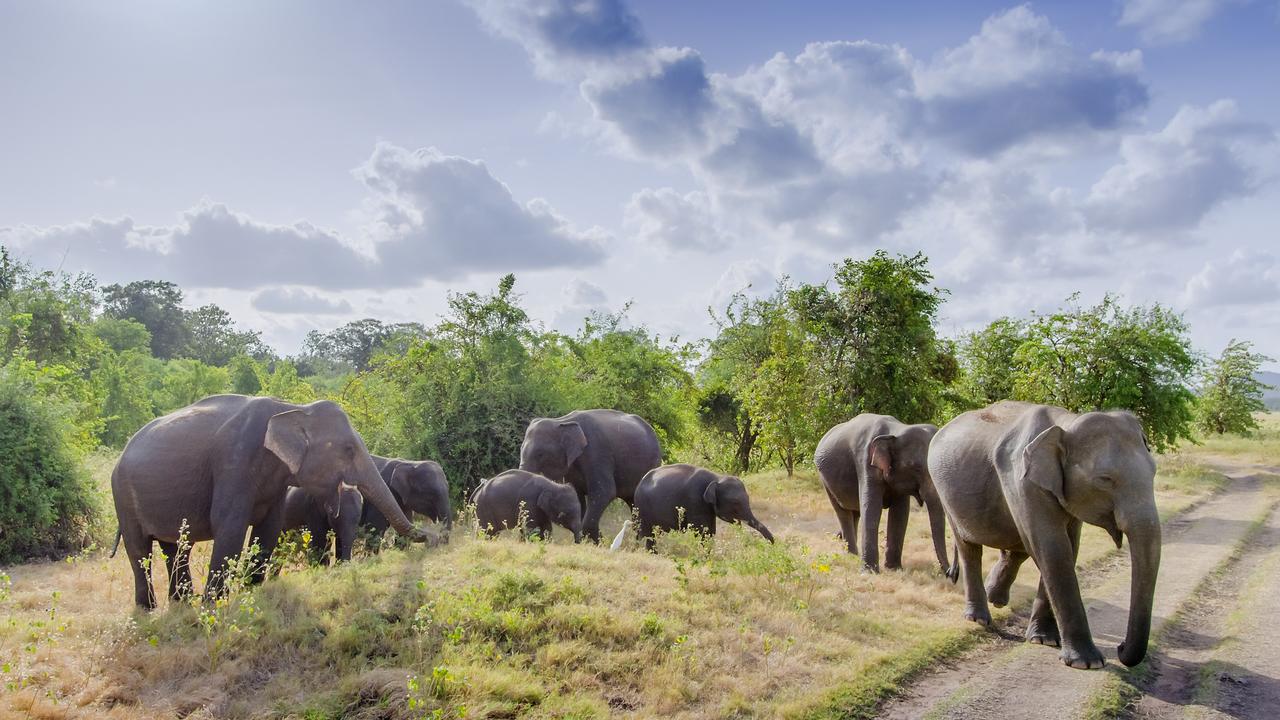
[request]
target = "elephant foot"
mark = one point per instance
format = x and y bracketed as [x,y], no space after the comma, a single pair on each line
[1043,633]
[893,566]
[982,615]
[1083,658]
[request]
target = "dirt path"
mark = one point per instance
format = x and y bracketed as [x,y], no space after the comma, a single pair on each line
[1007,678]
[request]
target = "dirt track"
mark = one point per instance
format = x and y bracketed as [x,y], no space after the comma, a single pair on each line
[1215,625]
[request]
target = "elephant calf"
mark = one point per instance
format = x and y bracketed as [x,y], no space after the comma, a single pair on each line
[675,497]
[501,499]
[304,511]
[419,486]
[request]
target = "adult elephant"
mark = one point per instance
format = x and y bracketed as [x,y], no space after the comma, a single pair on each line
[676,497]
[506,499]
[603,454]
[874,462]
[215,468]
[419,486]
[304,511]
[1023,478]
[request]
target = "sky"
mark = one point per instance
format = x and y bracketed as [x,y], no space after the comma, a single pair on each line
[304,164]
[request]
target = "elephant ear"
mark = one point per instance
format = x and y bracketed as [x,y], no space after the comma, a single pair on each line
[880,453]
[546,502]
[287,438]
[399,482]
[709,495]
[573,440]
[1042,462]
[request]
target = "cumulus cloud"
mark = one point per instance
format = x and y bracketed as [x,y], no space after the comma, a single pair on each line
[580,298]
[559,35]
[1167,181]
[667,219]
[298,301]
[1246,278]
[430,216]
[1169,21]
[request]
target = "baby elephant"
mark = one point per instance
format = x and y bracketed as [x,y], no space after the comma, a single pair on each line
[675,497]
[303,511]
[500,500]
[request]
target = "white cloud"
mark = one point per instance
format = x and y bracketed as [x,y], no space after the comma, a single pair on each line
[298,301]
[562,35]
[665,218]
[1245,278]
[1169,21]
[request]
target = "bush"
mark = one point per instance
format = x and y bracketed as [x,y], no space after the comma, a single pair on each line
[46,499]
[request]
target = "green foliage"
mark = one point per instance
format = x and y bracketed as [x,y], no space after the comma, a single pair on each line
[778,397]
[214,340]
[245,375]
[155,304]
[186,381]
[1108,357]
[987,362]
[1230,392]
[46,499]
[354,345]
[122,383]
[122,335]
[283,382]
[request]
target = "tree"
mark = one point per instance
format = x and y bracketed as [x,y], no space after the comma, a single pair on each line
[1230,392]
[779,400]
[355,344]
[871,340]
[158,306]
[245,375]
[122,382]
[122,335]
[185,381]
[986,357]
[214,340]
[1109,357]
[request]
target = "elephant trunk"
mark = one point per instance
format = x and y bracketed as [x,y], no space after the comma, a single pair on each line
[760,528]
[937,524]
[1144,552]
[375,490]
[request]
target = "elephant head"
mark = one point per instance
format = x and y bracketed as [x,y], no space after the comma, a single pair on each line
[728,498]
[422,488]
[550,447]
[902,462]
[561,505]
[1099,470]
[325,455]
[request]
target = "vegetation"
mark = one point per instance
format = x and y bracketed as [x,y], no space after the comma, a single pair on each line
[1231,392]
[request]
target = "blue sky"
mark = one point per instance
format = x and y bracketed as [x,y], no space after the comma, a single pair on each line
[306,164]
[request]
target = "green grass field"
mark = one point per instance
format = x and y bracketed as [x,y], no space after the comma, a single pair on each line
[512,629]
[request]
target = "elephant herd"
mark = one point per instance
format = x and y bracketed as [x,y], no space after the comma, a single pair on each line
[1014,476]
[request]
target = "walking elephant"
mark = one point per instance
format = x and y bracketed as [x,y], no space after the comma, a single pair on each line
[419,486]
[215,468]
[304,511]
[603,454]
[501,501]
[1023,478]
[675,497]
[875,462]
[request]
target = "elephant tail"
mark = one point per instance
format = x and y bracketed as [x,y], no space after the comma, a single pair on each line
[953,572]
[116,546]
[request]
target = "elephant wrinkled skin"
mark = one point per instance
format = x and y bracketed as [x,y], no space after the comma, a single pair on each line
[875,462]
[501,501]
[217,467]
[1023,478]
[603,454]
[675,497]
[302,511]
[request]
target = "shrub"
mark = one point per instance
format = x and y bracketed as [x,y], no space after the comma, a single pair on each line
[46,499]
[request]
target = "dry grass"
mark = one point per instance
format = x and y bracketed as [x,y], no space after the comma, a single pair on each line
[1262,446]
[506,628]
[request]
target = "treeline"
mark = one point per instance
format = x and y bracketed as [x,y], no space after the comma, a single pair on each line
[99,362]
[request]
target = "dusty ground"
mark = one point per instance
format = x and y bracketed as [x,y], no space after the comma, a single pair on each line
[1214,630]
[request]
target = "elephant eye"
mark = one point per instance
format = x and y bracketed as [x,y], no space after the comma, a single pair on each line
[1106,480]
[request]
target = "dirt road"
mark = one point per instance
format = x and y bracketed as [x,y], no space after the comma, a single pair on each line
[1216,626]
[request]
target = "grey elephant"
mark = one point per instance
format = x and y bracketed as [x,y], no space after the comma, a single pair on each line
[1023,478]
[603,454]
[501,500]
[217,467]
[419,486]
[875,462]
[304,511]
[676,497]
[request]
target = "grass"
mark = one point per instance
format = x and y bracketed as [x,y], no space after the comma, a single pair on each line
[1262,446]
[505,628]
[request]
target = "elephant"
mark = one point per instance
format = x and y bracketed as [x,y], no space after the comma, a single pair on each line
[419,486]
[303,511]
[675,497]
[500,500]
[875,462]
[221,465]
[603,454]
[1023,478]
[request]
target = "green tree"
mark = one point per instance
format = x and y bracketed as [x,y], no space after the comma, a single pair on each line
[122,335]
[214,339]
[123,380]
[245,375]
[1230,392]
[158,306]
[186,381]
[987,372]
[779,399]
[1110,357]
[283,383]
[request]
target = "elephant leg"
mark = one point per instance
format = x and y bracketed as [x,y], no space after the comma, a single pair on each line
[848,520]
[138,547]
[266,535]
[896,531]
[228,544]
[1054,554]
[975,595]
[177,562]
[596,504]
[646,534]
[872,500]
[1043,628]
[1003,573]
[318,547]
